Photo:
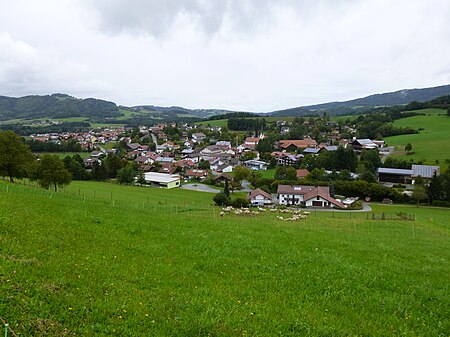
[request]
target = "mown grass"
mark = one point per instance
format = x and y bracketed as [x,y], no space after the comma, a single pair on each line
[432,143]
[74,265]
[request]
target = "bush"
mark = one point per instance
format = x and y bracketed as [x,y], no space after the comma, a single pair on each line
[440,203]
[220,199]
[239,202]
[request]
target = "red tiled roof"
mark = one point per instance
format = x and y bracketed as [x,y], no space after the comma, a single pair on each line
[302,173]
[298,143]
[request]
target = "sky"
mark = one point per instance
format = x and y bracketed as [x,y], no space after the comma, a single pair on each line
[247,55]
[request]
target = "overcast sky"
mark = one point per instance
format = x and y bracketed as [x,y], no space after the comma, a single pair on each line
[254,55]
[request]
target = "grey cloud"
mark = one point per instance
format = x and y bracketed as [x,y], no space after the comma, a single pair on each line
[156,17]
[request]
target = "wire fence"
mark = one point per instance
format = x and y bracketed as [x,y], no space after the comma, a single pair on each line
[90,197]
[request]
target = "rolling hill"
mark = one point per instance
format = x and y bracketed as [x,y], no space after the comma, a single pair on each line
[62,106]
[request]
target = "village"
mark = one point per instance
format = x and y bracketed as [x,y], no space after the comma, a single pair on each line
[205,158]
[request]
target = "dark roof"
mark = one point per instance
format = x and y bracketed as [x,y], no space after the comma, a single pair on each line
[394,171]
[224,176]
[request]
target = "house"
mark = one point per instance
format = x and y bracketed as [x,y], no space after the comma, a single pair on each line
[292,145]
[302,173]
[311,150]
[162,180]
[223,177]
[90,162]
[196,174]
[300,195]
[142,160]
[359,144]
[226,168]
[198,137]
[259,197]
[256,165]
[251,141]
[287,159]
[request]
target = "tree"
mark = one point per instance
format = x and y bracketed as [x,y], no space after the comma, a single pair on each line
[203,165]
[435,189]
[226,189]
[419,194]
[99,172]
[126,175]
[15,156]
[248,155]
[241,173]
[408,148]
[50,171]
[371,160]
[141,178]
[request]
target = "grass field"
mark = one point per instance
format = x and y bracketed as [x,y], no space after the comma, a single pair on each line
[431,144]
[62,155]
[132,261]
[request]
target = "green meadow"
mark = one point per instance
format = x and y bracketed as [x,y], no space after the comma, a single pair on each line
[431,144]
[99,259]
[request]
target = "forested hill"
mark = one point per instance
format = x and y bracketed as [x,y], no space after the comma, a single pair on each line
[55,106]
[400,97]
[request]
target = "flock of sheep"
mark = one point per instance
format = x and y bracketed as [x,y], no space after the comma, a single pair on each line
[296,214]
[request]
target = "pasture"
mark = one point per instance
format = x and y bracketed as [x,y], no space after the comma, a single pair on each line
[431,144]
[132,261]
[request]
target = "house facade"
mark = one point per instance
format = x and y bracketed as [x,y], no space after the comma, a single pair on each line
[259,197]
[307,196]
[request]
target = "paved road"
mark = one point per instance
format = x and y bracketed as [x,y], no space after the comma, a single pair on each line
[366,208]
[205,188]
[199,188]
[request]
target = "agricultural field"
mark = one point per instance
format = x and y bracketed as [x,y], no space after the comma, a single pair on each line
[99,259]
[431,144]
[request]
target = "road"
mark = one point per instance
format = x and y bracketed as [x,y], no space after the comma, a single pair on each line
[205,188]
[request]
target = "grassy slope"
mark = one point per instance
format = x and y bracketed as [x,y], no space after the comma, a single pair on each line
[432,143]
[79,264]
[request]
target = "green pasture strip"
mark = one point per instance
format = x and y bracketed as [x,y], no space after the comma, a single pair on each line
[431,144]
[70,266]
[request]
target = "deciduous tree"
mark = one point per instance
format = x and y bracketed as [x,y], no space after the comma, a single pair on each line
[15,156]
[50,171]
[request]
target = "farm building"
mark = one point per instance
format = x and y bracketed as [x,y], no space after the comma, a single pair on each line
[300,195]
[406,176]
[162,180]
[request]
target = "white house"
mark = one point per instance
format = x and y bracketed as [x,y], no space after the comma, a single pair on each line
[256,165]
[259,197]
[300,195]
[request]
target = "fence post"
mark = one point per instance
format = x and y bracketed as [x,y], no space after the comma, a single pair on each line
[6,329]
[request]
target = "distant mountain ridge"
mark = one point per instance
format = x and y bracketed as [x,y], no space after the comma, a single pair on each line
[65,106]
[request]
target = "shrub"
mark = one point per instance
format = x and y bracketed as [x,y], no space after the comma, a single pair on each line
[239,202]
[440,203]
[220,199]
